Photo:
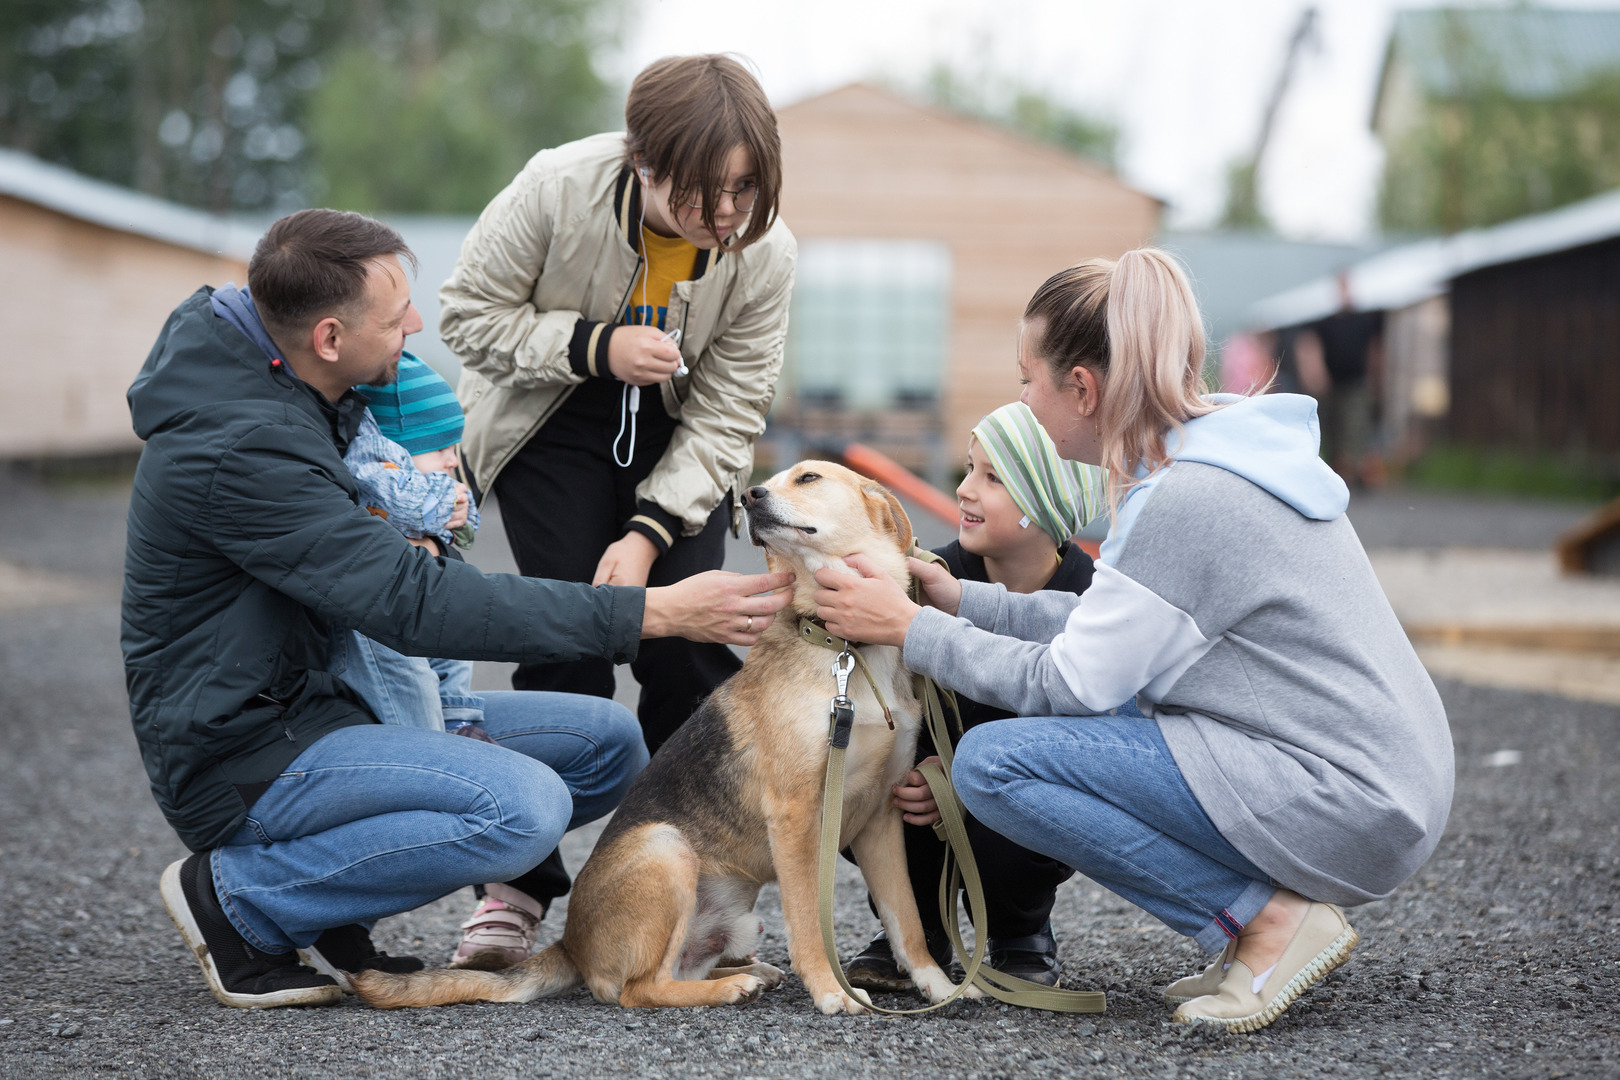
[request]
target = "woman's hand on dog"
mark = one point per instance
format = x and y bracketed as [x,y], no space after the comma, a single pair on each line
[914,798]
[733,609]
[871,608]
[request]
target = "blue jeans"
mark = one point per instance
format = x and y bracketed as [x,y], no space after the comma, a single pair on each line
[377,819]
[1103,794]
[411,691]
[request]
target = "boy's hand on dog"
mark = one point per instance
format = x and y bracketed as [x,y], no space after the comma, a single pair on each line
[914,798]
[733,609]
[627,561]
[870,608]
[642,355]
[939,588]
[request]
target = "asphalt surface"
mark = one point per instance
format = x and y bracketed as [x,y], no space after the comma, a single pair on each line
[1497,959]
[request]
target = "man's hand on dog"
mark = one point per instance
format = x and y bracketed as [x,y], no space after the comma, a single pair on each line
[733,609]
[871,608]
[914,798]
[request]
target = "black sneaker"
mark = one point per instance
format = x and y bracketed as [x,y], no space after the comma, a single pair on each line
[238,974]
[344,950]
[1033,958]
[873,968]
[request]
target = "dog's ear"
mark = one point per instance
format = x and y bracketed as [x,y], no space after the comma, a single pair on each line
[887,513]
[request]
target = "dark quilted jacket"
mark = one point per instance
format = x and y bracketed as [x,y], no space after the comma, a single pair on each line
[246,546]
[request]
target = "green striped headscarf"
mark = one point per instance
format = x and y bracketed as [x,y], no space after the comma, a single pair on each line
[1059,496]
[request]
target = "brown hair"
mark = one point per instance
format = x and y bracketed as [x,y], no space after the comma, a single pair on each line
[313,263]
[1135,324]
[684,117]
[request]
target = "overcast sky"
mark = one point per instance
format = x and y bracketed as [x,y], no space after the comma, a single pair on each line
[1184,79]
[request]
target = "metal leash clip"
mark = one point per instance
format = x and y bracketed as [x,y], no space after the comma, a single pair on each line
[842,714]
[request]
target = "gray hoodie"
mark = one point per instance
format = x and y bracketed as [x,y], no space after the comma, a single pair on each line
[1234,600]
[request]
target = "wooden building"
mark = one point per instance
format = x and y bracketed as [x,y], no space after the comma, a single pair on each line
[1535,347]
[88,274]
[1505,338]
[922,235]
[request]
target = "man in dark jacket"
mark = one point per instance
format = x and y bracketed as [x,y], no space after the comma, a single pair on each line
[309,820]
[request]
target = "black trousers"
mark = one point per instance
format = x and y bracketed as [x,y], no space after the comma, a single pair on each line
[563,501]
[1020,885]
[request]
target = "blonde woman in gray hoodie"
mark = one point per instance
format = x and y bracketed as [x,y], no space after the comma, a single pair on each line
[1295,756]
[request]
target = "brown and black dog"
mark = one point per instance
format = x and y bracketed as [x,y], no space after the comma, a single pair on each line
[733,800]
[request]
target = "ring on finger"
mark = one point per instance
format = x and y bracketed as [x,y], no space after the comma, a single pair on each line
[750,629]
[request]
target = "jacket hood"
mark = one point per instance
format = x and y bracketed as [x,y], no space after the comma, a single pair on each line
[209,356]
[1271,440]
[235,306]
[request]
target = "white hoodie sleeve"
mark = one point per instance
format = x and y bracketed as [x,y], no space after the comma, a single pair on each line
[1120,640]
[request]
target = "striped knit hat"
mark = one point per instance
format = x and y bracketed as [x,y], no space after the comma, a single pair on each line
[1060,496]
[418,409]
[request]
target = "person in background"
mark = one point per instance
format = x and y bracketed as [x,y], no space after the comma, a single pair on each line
[620,312]
[1020,506]
[1352,346]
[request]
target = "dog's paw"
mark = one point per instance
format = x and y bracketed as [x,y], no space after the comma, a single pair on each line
[741,989]
[771,976]
[836,1001]
[972,993]
[934,983]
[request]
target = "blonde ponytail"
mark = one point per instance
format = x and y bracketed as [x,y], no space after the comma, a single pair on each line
[1135,323]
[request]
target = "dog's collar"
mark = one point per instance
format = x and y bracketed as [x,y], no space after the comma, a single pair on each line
[814,631]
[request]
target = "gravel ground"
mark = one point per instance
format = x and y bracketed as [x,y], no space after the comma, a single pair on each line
[1494,960]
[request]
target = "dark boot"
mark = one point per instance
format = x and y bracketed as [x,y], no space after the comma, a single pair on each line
[874,967]
[1033,958]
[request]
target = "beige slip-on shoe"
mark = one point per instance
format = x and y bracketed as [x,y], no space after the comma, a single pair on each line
[1322,942]
[1205,982]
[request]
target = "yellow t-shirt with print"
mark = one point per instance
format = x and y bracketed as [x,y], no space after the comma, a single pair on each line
[669,259]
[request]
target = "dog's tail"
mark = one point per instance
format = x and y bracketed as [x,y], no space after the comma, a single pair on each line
[543,975]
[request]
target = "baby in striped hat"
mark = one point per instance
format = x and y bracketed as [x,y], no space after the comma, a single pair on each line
[404,458]
[404,462]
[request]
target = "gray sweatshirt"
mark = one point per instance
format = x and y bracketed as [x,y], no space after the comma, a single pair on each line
[1234,600]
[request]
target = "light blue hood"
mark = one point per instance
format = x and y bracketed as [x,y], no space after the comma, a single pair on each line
[1272,440]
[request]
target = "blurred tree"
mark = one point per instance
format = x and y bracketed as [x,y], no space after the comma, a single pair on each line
[1490,115]
[412,105]
[1010,103]
[435,106]
[1242,209]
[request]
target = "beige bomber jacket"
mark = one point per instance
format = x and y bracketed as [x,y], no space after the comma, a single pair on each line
[542,281]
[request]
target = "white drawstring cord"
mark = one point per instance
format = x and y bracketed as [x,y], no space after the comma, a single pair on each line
[630,399]
[629,405]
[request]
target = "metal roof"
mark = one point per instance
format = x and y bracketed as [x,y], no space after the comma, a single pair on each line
[1529,52]
[25,177]
[1406,275]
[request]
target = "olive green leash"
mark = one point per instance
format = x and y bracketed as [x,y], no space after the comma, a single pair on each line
[960,868]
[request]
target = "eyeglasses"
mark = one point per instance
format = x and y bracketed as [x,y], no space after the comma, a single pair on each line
[743,198]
